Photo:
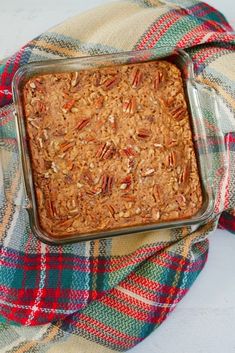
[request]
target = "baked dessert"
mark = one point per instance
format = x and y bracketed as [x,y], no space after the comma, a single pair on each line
[111,148]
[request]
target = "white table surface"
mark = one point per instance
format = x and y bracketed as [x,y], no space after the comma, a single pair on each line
[204,321]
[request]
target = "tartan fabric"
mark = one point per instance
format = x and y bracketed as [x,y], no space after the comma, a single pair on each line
[108,295]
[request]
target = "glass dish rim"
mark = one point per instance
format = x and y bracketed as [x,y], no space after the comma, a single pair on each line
[31,207]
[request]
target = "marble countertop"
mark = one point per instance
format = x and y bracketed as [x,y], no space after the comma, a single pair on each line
[204,321]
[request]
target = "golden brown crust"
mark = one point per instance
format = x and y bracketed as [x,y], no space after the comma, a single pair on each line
[111,148]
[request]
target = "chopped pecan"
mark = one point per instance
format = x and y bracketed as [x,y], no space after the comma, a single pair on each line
[148,172]
[129,197]
[75,79]
[131,164]
[86,176]
[99,102]
[181,199]
[113,121]
[68,105]
[126,182]
[96,78]
[64,224]
[130,106]
[155,214]
[68,179]
[94,191]
[171,142]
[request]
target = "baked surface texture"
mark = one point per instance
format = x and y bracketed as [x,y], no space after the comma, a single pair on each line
[111,148]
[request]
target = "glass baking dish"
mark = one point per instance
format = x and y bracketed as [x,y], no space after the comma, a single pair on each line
[194,92]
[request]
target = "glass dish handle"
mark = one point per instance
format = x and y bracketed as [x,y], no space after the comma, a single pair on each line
[216,147]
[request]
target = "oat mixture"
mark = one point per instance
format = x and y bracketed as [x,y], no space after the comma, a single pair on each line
[111,148]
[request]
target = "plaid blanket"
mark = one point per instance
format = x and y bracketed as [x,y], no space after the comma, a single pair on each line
[108,295]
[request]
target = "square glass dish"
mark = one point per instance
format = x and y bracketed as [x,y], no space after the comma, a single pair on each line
[192,91]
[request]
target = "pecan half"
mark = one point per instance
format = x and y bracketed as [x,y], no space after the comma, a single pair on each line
[111,210]
[106,151]
[143,133]
[185,174]
[40,197]
[129,106]
[106,184]
[49,208]
[158,79]
[178,113]
[136,78]
[111,82]
[66,146]
[157,193]
[129,151]
[171,159]
[81,124]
